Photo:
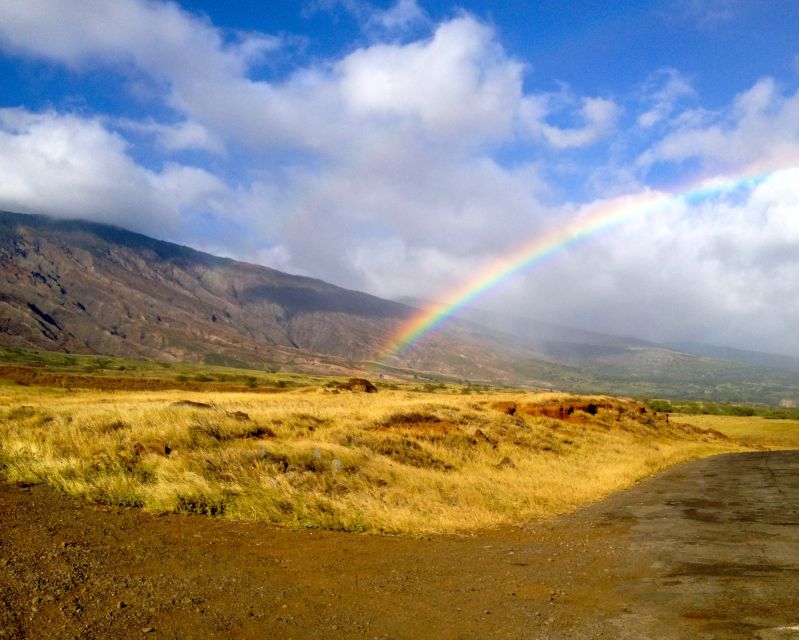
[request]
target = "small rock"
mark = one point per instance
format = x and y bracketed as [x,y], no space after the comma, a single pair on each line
[336,464]
[147,630]
[121,604]
[36,600]
[481,438]
[506,463]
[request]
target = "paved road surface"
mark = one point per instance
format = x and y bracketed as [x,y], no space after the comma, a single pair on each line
[706,550]
[718,548]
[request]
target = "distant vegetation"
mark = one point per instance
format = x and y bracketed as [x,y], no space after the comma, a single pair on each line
[693,407]
[713,398]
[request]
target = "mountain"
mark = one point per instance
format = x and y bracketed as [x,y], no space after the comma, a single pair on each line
[618,364]
[82,287]
[770,360]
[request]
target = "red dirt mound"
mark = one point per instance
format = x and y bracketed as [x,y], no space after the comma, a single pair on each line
[567,411]
[360,385]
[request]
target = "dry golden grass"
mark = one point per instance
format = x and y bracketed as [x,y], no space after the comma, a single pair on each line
[750,430]
[393,461]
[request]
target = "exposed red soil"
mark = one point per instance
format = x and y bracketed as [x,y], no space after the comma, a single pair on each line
[575,411]
[359,385]
[74,570]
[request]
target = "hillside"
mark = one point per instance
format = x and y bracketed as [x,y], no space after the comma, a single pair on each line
[588,361]
[86,288]
[81,287]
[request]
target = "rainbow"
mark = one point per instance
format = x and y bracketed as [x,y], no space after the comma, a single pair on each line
[593,220]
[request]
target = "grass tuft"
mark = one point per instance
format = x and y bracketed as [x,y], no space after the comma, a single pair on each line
[395,461]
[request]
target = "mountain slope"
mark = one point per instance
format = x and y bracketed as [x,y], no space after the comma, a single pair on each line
[85,287]
[89,288]
[81,287]
[616,364]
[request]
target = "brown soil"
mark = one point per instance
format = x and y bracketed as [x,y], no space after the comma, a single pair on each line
[707,549]
[28,376]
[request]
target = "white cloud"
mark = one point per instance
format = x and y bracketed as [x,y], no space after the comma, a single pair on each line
[723,271]
[458,84]
[598,115]
[175,137]
[403,14]
[73,167]
[663,90]
[761,127]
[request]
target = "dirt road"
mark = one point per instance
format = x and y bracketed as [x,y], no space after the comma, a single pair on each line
[706,550]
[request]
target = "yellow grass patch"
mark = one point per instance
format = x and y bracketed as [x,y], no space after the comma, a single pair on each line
[393,461]
[750,430]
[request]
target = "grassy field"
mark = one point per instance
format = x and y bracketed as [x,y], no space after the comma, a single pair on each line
[753,431]
[398,460]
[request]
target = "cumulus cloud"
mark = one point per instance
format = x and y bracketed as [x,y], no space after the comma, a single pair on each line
[394,132]
[75,167]
[457,83]
[720,271]
[760,127]
[159,38]
[180,136]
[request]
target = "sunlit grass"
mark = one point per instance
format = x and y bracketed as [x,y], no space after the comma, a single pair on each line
[394,461]
[750,430]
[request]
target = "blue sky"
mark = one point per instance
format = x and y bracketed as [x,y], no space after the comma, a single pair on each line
[398,147]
